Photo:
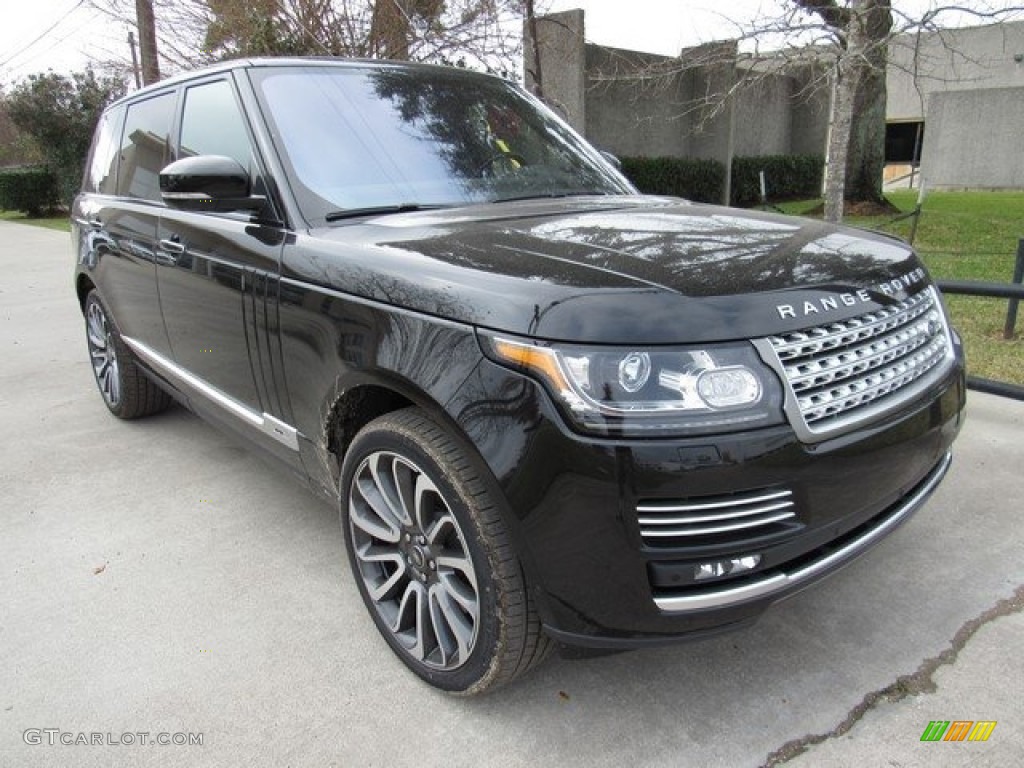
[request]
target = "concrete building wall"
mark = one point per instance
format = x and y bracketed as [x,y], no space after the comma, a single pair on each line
[811,105]
[975,140]
[952,60]
[563,65]
[764,118]
[639,104]
[644,104]
[629,115]
[971,138]
[710,79]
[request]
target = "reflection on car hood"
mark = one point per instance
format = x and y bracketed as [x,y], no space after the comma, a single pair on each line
[695,250]
[685,262]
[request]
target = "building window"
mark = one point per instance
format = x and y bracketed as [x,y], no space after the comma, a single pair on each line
[903,142]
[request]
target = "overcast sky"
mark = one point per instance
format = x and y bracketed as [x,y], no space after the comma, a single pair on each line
[64,34]
[667,26]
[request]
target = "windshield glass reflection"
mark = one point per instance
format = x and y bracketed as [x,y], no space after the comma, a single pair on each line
[356,138]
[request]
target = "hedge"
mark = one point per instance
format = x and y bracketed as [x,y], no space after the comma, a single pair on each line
[699,180]
[786,177]
[32,189]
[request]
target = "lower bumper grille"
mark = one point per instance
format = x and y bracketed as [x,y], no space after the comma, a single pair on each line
[711,520]
[811,566]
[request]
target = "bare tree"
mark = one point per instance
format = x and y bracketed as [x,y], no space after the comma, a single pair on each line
[534,65]
[842,45]
[863,32]
[856,146]
[479,33]
[147,41]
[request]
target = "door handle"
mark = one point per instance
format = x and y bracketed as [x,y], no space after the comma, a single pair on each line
[172,245]
[95,224]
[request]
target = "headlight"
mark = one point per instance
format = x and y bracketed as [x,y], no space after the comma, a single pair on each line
[650,391]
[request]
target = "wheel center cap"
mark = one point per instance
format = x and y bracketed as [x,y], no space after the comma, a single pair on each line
[417,556]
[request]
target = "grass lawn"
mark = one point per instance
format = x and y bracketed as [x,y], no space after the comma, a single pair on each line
[60,223]
[966,236]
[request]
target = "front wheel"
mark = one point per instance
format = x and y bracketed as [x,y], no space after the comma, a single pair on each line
[432,558]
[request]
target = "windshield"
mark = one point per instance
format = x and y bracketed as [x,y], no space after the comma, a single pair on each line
[399,138]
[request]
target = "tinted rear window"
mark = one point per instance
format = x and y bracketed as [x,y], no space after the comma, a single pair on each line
[144,148]
[101,170]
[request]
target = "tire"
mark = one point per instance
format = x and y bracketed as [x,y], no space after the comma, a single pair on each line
[126,390]
[432,557]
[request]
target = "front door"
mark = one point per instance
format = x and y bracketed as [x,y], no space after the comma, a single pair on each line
[217,277]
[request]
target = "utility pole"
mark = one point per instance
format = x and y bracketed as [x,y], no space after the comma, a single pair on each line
[531,25]
[135,59]
[147,41]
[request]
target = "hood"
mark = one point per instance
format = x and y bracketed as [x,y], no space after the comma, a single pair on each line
[621,269]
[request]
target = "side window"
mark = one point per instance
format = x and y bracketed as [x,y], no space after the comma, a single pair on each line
[101,171]
[144,147]
[212,124]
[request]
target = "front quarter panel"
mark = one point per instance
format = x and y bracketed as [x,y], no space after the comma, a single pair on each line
[333,341]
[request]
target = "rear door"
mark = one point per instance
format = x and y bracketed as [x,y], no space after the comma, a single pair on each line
[123,217]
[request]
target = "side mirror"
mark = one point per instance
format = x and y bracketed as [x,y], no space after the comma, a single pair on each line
[211,183]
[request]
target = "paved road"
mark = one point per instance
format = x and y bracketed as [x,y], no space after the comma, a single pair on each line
[155,577]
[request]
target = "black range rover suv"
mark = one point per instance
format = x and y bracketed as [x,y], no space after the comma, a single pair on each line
[550,409]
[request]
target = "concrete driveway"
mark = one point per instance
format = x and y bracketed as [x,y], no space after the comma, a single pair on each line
[156,578]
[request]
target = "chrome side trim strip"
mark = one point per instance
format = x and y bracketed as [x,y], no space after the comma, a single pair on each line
[284,433]
[273,427]
[784,581]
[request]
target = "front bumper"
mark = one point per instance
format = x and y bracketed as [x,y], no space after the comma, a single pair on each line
[603,579]
[843,550]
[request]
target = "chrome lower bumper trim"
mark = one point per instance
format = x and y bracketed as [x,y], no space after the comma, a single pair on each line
[782,582]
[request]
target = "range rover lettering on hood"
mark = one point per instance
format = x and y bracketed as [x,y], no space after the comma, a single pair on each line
[833,302]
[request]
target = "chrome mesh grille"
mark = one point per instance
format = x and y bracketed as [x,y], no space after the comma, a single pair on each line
[705,520]
[837,370]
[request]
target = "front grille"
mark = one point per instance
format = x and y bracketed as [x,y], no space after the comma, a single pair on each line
[711,520]
[836,371]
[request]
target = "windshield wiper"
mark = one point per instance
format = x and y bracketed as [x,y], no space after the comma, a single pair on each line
[380,210]
[546,195]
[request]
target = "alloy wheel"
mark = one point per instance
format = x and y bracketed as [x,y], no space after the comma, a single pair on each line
[413,559]
[103,354]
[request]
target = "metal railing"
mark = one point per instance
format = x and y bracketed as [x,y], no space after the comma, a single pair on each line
[1013,292]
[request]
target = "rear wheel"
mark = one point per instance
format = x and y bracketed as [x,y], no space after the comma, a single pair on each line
[432,558]
[127,391]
